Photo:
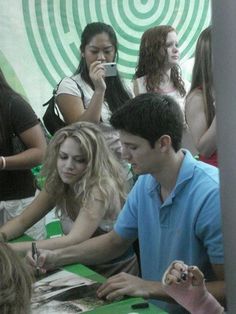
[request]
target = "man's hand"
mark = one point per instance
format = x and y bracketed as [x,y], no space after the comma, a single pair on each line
[118,286]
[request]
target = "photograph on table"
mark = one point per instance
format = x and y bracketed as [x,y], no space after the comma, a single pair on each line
[64,292]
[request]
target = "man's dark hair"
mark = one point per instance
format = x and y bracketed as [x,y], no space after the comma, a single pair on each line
[150,116]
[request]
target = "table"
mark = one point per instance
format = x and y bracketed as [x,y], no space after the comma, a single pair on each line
[117,307]
[120,307]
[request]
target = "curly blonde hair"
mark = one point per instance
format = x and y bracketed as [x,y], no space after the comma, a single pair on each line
[15,283]
[103,172]
[152,59]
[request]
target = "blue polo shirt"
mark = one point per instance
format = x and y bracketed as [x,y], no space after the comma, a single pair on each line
[187,226]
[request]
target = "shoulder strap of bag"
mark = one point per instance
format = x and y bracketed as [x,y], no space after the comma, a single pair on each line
[53,95]
[55,91]
[81,91]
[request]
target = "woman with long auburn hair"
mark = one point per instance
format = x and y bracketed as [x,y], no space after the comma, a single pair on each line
[158,70]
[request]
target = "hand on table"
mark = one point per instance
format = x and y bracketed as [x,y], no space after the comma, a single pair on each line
[123,284]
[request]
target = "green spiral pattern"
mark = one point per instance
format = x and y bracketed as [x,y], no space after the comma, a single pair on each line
[54,27]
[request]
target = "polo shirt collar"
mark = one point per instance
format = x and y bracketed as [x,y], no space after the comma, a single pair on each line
[185,173]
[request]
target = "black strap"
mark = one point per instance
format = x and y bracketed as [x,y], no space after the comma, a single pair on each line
[81,91]
[53,95]
[56,89]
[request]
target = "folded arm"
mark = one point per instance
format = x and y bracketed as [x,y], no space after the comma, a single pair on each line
[35,143]
[204,137]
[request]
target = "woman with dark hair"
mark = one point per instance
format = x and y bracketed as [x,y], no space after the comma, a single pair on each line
[200,101]
[17,188]
[99,95]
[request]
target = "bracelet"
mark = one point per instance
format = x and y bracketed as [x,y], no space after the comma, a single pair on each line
[3,162]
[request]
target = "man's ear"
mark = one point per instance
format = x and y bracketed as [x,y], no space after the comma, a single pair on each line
[164,143]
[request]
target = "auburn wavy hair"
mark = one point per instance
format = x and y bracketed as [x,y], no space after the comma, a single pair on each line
[152,59]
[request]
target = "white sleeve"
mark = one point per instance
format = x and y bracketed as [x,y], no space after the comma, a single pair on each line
[68,86]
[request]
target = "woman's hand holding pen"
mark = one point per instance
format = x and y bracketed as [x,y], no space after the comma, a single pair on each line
[45,260]
[35,257]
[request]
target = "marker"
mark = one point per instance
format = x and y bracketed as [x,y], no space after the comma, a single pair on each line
[35,257]
[184,275]
[142,305]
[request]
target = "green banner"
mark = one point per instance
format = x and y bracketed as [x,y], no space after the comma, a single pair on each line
[40,39]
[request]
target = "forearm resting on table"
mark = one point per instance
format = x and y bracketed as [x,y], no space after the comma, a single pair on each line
[94,251]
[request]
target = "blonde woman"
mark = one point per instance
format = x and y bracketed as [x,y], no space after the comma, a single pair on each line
[15,288]
[86,184]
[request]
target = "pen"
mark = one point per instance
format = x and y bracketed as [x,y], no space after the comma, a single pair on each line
[184,275]
[35,257]
[142,305]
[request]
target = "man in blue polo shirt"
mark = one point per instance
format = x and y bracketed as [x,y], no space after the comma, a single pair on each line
[173,209]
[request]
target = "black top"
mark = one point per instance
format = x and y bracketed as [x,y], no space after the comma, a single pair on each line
[17,117]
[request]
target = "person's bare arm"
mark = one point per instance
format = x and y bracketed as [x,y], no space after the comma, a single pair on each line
[124,284]
[204,138]
[217,288]
[39,207]
[72,107]
[83,228]
[94,251]
[35,143]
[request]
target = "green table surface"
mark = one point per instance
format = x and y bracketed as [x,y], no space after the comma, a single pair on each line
[118,307]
